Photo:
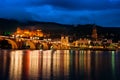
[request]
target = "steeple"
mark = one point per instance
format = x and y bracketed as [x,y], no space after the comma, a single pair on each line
[94,33]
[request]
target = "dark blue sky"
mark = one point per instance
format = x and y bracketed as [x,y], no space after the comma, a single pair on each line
[101,12]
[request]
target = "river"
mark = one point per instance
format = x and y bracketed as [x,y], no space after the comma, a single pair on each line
[59,65]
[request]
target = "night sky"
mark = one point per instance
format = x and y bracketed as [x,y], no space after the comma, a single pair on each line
[101,12]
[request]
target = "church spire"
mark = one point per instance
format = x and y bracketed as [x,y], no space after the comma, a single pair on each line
[94,33]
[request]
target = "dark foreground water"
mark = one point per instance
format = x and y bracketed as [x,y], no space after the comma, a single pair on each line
[59,65]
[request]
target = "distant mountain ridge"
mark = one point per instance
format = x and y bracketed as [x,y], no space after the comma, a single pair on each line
[11,25]
[58,29]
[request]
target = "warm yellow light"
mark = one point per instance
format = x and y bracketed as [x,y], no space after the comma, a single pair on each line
[17,35]
[38,30]
[13,35]
[26,32]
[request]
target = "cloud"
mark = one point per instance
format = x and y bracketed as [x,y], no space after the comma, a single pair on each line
[102,12]
[15,13]
[84,4]
[69,4]
[108,18]
[101,17]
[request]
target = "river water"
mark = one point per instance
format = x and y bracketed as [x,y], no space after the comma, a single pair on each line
[59,65]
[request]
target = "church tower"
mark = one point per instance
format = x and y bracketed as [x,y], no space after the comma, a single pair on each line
[94,33]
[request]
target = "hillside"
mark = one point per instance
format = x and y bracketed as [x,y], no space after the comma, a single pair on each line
[56,29]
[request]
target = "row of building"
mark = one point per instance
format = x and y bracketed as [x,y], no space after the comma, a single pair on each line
[65,40]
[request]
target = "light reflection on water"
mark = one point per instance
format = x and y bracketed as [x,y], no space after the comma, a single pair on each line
[59,65]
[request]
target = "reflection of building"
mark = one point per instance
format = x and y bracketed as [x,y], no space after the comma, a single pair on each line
[28,33]
[15,65]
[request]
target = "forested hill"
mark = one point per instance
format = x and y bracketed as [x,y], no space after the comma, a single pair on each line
[58,29]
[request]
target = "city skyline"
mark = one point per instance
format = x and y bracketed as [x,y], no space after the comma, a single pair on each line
[104,12]
[59,39]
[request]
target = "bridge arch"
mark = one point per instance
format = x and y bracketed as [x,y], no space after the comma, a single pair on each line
[45,45]
[56,46]
[31,44]
[1,38]
[13,43]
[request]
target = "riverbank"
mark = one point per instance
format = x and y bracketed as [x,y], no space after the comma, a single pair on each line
[73,48]
[102,49]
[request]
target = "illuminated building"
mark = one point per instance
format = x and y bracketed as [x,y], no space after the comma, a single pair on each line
[82,42]
[27,33]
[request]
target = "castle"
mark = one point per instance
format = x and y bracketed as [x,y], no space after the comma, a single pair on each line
[28,33]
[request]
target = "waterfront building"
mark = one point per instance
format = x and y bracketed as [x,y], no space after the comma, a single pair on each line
[82,42]
[64,42]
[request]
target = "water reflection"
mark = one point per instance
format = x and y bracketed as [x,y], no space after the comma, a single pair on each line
[59,65]
[113,64]
[15,65]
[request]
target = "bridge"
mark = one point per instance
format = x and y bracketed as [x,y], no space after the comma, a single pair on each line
[35,43]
